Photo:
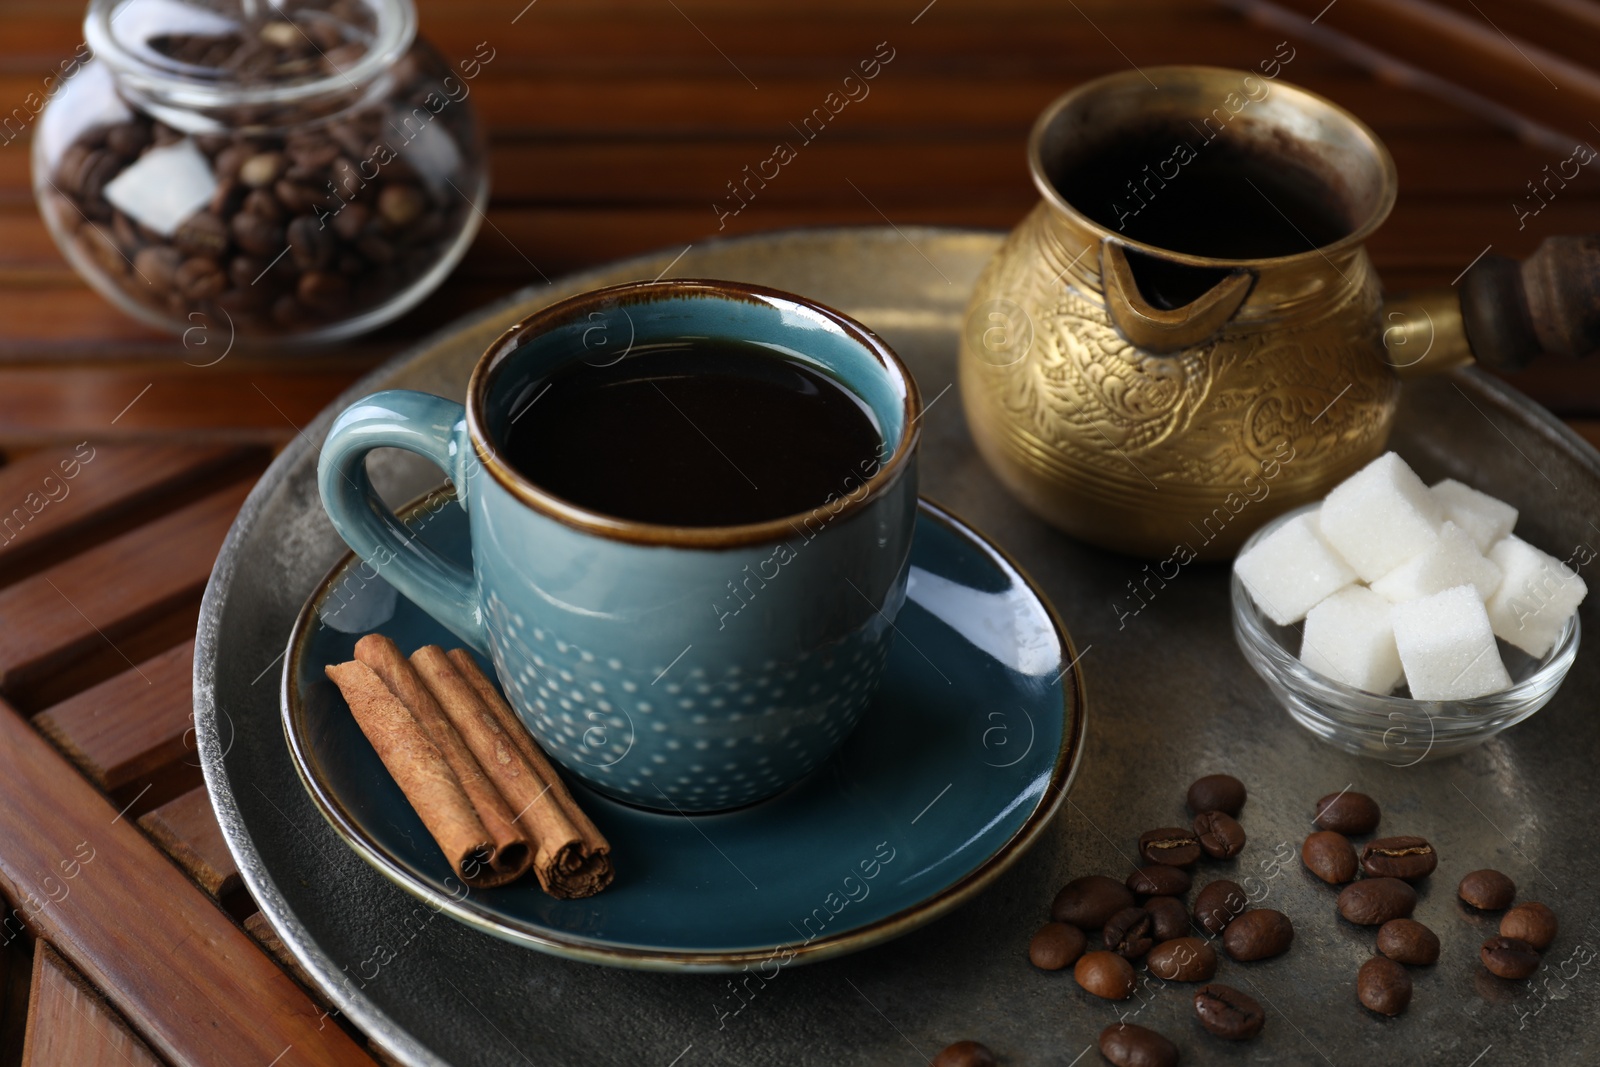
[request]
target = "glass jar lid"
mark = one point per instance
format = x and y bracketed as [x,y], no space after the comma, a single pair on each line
[213,53]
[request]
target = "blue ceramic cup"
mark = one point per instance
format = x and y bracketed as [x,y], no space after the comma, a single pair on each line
[682,668]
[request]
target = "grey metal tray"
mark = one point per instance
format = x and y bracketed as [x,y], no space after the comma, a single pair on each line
[1170,697]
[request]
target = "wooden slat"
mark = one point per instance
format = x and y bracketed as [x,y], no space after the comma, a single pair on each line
[1547,88]
[186,829]
[69,1023]
[158,947]
[92,616]
[91,491]
[131,728]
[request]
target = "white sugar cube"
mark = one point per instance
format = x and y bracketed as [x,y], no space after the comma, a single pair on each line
[1485,519]
[1447,646]
[1291,569]
[1349,637]
[1537,595]
[1380,517]
[1453,560]
[164,186]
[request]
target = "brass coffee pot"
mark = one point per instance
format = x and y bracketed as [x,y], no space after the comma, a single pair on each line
[1186,337]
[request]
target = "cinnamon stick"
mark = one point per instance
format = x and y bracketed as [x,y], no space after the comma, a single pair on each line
[571,857]
[420,770]
[511,853]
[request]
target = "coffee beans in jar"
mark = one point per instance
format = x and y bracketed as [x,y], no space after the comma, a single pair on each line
[305,170]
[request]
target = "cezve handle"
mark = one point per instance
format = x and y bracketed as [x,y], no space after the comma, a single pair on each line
[1550,302]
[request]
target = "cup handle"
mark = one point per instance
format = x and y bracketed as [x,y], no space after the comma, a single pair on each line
[436,429]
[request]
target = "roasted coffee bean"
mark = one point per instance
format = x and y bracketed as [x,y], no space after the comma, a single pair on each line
[1171,845]
[128,139]
[262,169]
[1168,917]
[106,249]
[1183,959]
[1509,957]
[1531,922]
[228,161]
[1408,941]
[200,278]
[347,181]
[322,290]
[158,265]
[299,197]
[1089,902]
[1218,904]
[1228,1013]
[1056,945]
[1374,901]
[351,220]
[257,235]
[202,234]
[313,247]
[1383,986]
[1127,1045]
[263,203]
[312,151]
[1217,792]
[1258,934]
[1329,856]
[1127,933]
[399,205]
[965,1054]
[1159,880]
[1220,834]
[1488,890]
[1347,813]
[227,198]
[1105,974]
[375,249]
[1410,858]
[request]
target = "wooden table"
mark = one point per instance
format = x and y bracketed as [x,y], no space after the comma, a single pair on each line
[126,935]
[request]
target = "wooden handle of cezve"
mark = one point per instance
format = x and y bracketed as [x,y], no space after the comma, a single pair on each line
[1550,302]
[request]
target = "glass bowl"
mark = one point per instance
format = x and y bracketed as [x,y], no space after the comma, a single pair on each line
[1394,728]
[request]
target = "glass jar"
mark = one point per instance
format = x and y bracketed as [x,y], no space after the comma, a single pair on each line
[298,170]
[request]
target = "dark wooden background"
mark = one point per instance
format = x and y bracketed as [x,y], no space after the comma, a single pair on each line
[614,125]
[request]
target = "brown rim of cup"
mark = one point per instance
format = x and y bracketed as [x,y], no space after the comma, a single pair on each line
[709,537]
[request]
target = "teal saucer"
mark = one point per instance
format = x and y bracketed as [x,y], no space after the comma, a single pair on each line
[957,766]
